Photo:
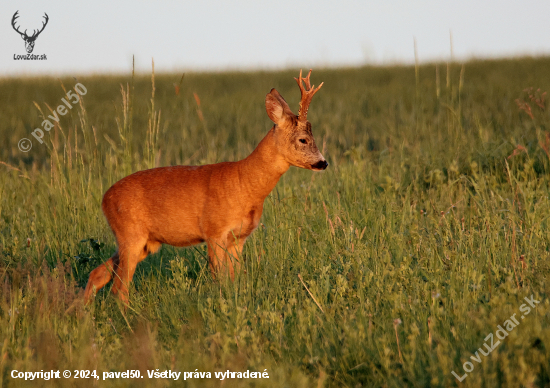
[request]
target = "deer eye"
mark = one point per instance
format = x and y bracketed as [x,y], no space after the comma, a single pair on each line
[303,141]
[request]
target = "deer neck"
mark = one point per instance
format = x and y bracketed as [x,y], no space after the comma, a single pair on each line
[262,169]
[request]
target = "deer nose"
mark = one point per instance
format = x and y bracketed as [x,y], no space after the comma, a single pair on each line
[320,165]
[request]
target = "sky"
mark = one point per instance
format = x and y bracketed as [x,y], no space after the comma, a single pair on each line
[207,35]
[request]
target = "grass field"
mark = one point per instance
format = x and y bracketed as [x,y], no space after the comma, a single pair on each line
[391,268]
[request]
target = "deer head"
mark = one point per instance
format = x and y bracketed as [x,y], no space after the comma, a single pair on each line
[292,132]
[29,40]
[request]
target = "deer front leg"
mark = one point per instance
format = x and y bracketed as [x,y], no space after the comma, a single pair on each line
[225,257]
[234,257]
[216,258]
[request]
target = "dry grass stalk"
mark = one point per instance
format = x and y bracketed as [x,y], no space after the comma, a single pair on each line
[310,294]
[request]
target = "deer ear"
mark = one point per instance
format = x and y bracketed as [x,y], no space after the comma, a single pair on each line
[276,106]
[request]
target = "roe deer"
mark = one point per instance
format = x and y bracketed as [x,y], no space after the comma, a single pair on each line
[220,204]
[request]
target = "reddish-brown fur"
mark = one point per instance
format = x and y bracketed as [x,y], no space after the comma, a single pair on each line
[220,204]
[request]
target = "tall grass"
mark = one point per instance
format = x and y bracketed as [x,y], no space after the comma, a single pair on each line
[390,268]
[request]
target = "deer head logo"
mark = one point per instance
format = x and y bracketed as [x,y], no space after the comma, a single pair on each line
[29,40]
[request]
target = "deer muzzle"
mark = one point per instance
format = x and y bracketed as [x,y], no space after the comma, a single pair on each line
[320,165]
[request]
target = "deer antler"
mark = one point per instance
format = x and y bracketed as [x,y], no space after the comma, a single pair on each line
[35,34]
[13,19]
[24,34]
[307,95]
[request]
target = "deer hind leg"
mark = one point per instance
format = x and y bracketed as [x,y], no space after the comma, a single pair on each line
[100,276]
[130,256]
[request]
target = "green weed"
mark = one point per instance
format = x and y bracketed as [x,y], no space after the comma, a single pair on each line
[390,268]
